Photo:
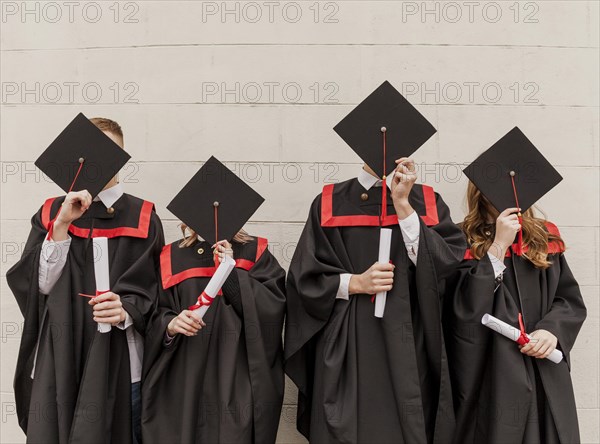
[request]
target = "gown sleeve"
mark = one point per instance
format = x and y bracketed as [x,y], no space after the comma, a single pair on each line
[445,242]
[567,311]
[138,286]
[23,276]
[312,284]
[231,292]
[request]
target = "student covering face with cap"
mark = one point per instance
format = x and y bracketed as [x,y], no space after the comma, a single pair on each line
[214,360]
[66,365]
[363,378]
[514,270]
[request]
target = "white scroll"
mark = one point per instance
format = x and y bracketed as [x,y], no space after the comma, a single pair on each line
[513,334]
[215,284]
[101,272]
[385,244]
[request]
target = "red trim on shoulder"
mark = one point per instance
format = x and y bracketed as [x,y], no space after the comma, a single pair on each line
[246,264]
[46,212]
[169,279]
[363,220]
[166,270]
[141,231]
[431,216]
[261,247]
[554,247]
[552,229]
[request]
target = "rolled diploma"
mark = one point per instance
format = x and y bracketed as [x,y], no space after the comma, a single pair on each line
[216,282]
[513,334]
[101,272]
[385,243]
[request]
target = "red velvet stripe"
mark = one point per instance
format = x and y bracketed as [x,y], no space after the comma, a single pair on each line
[431,216]
[362,220]
[554,247]
[261,246]
[169,279]
[244,264]
[141,231]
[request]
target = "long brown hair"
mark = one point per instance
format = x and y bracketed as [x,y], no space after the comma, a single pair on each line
[477,222]
[190,237]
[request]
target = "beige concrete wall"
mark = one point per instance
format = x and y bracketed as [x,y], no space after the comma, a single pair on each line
[261,84]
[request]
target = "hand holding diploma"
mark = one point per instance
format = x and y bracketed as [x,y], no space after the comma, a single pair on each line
[529,342]
[214,286]
[189,322]
[542,344]
[379,277]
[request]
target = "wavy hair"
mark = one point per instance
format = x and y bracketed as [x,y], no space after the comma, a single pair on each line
[479,230]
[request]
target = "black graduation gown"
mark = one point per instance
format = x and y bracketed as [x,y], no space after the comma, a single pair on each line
[224,385]
[501,395]
[82,385]
[361,378]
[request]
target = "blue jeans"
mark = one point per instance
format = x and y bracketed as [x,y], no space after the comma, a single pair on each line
[136,413]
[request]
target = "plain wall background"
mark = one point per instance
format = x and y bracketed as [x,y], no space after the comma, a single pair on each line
[261,84]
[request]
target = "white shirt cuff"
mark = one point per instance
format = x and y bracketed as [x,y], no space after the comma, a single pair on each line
[343,292]
[53,258]
[411,228]
[498,265]
[128,322]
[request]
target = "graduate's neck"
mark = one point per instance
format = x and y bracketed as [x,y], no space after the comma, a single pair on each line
[369,170]
[114,181]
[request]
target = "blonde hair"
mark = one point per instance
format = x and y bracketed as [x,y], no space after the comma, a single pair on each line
[190,237]
[108,125]
[535,234]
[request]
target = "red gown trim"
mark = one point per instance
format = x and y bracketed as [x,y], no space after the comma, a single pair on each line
[362,220]
[141,231]
[554,247]
[169,279]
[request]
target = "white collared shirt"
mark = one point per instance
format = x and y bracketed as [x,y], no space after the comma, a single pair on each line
[410,228]
[52,262]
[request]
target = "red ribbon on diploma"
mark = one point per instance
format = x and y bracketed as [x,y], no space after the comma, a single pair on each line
[203,300]
[522,339]
[98,293]
[51,224]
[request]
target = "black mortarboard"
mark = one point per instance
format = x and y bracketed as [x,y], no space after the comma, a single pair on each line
[405,128]
[81,143]
[513,157]
[215,193]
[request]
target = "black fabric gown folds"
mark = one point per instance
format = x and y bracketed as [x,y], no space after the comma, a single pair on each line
[224,385]
[81,390]
[501,395]
[362,378]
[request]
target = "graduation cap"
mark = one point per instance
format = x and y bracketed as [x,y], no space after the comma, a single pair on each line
[513,173]
[384,127]
[82,157]
[215,203]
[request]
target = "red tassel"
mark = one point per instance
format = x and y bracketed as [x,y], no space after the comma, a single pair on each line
[51,224]
[383,182]
[519,249]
